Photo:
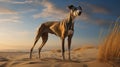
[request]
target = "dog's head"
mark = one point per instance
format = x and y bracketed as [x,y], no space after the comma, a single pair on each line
[75,11]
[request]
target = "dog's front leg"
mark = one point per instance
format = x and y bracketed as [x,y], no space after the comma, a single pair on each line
[63,48]
[69,45]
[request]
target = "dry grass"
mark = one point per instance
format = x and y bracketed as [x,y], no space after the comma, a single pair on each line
[110,48]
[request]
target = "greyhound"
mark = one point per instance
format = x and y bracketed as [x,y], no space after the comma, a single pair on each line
[62,29]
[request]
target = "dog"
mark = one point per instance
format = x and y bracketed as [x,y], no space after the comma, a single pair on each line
[62,29]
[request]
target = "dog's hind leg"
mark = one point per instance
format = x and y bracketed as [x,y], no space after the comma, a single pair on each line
[36,40]
[39,33]
[44,40]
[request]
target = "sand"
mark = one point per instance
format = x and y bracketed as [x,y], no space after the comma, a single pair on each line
[80,58]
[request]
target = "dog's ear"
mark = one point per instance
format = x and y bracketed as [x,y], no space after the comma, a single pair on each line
[70,6]
[80,7]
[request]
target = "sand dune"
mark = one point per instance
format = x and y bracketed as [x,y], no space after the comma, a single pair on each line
[84,58]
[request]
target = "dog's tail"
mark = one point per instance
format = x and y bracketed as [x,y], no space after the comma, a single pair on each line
[39,33]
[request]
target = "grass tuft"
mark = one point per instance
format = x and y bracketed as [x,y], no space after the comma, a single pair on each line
[110,48]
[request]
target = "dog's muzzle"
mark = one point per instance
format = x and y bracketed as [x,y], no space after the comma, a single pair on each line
[79,13]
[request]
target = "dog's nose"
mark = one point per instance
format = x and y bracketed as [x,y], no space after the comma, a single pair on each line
[79,13]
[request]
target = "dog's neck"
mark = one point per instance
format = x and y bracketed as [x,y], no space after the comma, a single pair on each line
[70,17]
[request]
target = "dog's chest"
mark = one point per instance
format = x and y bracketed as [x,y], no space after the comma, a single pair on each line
[70,32]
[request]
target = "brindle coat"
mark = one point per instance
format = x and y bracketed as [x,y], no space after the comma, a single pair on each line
[62,29]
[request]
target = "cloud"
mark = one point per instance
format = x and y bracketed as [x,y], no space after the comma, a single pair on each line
[10,19]
[27,10]
[53,11]
[17,2]
[84,17]
[4,10]
[9,16]
[98,9]
[50,10]
[90,19]
[94,8]
[89,14]
[89,10]
[23,2]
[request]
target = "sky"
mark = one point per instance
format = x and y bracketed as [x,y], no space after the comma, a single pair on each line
[20,19]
